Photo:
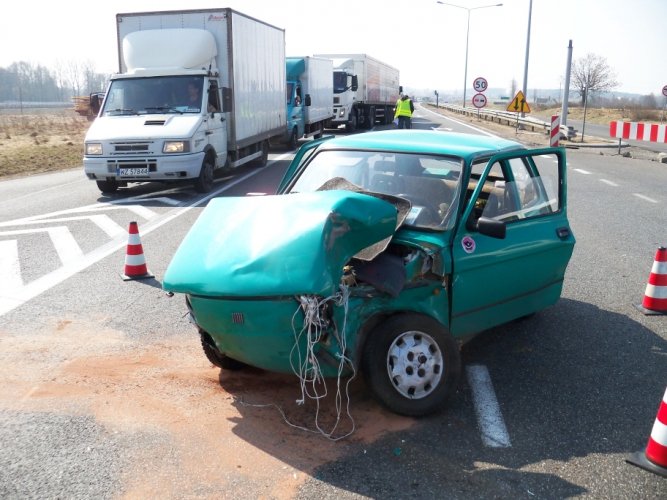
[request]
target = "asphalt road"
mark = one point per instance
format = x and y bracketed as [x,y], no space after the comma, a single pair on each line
[106,393]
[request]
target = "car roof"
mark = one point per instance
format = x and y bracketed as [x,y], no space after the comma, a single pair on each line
[467,146]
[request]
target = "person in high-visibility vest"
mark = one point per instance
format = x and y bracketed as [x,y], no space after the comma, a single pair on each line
[403,111]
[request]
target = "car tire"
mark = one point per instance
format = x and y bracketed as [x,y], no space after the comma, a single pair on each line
[216,357]
[412,364]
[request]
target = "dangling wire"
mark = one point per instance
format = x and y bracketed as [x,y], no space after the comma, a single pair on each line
[307,367]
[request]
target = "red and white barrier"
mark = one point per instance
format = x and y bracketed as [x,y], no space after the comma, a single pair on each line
[555,131]
[638,131]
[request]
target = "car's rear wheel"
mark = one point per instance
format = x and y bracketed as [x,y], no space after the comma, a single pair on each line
[412,364]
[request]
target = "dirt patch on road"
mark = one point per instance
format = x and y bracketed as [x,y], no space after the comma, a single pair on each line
[215,432]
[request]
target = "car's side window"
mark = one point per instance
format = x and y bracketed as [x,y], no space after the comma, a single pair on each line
[520,188]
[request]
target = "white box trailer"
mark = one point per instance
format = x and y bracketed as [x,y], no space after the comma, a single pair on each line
[365,90]
[309,97]
[230,64]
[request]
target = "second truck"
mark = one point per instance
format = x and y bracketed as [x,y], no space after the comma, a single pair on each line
[309,97]
[365,91]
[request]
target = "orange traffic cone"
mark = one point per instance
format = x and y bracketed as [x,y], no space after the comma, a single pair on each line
[654,458]
[135,263]
[655,296]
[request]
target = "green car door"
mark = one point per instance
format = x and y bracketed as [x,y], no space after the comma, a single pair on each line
[496,279]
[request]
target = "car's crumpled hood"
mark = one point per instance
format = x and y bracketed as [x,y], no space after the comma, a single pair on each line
[277,245]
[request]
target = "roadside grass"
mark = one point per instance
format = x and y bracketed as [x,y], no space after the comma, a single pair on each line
[44,142]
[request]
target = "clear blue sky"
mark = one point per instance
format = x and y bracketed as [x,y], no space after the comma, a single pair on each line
[426,41]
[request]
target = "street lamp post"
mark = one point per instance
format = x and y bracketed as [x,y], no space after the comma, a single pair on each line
[468,9]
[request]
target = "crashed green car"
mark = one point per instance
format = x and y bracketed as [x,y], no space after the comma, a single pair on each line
[380,252]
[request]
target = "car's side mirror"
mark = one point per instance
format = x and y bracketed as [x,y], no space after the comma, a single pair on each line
[488,227]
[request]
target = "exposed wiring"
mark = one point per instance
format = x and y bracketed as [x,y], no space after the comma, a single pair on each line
[306,366]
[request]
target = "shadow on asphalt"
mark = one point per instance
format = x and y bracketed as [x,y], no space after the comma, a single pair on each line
[562,396]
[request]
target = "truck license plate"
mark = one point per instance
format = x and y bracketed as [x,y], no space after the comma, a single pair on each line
[132,172]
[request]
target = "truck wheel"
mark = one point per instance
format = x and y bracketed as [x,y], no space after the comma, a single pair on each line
[261,161]
[371,119]
[388,116]
[320,131]
[411,364]
[293,139]
[204,182]
[351,125]
[108,185]
[214,355]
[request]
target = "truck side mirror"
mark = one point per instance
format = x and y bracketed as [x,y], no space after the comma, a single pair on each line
[355,83]
[226,99]
[307,101]
[96,102]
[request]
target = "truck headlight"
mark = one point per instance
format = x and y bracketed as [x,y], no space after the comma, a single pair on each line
[93,148]
[176,147]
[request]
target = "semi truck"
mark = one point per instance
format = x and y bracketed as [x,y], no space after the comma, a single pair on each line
[309,97]
[197,91]
[365,91]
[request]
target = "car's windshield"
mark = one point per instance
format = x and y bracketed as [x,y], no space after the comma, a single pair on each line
[430,183]
[164,94]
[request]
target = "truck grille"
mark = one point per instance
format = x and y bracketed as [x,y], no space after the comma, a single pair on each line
[125,148]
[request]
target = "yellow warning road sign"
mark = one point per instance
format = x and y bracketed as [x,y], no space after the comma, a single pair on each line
[519,104]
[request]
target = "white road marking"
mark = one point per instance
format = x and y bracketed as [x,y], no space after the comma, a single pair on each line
[613,184]
[582,171]
[10,266]
[645,198]
[460,123]
[489,417]
[12,297]
[104,222]
[66,246]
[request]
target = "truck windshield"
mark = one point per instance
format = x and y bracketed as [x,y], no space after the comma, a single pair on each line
[429,182]
[154,95]
[339,82]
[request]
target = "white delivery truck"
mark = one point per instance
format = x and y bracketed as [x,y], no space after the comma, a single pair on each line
[309,97]
[365,90]
[197,90]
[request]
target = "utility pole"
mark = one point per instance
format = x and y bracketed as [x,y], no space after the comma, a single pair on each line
[525,68]
[566,91]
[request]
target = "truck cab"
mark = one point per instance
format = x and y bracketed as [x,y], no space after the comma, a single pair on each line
[185,101]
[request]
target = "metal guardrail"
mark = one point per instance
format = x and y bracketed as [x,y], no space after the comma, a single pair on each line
[508,118]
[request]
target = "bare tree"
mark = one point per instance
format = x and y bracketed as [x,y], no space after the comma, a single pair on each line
[591,73]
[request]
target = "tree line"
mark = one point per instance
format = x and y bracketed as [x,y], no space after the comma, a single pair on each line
[26,82]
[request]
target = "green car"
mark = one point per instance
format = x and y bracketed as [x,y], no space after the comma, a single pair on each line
[381,252]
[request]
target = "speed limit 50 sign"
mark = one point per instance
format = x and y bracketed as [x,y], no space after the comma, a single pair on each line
[480,84]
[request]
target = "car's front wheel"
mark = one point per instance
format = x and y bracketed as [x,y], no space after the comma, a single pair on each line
[412,364]
[216,357]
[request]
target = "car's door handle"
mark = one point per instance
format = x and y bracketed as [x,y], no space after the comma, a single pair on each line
[563,232]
